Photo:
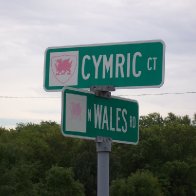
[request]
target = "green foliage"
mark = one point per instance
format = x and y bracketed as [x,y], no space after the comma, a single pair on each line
[60,181]
[35,159]
[153,119]
[119,187]
[172,118]
[162,140]
[179,178]
[84,166]
[194,120]
[141,183]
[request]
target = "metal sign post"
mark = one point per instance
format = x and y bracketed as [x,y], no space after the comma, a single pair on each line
[103,147]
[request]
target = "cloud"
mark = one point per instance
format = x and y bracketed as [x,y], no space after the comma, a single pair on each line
[29,27]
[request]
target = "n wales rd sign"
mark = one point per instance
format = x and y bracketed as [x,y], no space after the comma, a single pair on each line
[85,115]
[122,65]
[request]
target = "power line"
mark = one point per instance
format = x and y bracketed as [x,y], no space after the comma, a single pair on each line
[20,97]
[125,95]
[160,94]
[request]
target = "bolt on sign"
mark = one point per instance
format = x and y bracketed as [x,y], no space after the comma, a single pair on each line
[126,65]
[85,115]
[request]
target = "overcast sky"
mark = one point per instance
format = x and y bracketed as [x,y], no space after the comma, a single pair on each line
[28,27]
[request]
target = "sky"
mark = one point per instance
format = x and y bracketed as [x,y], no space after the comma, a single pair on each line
[27,28]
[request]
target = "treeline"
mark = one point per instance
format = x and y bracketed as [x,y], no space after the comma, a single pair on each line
[35,159]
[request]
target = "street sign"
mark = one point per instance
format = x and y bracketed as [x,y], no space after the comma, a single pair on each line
[127,65]
[85,115]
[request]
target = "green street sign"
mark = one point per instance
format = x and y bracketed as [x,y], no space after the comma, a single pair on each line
[127,65]
[85,115]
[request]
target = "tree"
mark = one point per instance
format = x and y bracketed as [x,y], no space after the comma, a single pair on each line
[34,156]
[153,119]
[60,182]
[194,119]
[141,183]
[84,166]
[181,178]
[172,118]
[119,188]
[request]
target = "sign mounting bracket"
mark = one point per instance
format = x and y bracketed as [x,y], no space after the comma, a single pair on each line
[102,91]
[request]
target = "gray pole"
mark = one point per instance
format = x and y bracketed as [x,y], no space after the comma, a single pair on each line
[103,146]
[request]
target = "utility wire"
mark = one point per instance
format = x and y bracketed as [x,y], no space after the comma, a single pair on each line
[126,95]
[17,97]
[159,94]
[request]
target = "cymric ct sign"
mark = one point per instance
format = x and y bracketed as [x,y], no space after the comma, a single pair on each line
[127,65]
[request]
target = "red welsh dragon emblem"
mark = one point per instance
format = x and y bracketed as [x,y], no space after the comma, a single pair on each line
[76,110]
[63,66]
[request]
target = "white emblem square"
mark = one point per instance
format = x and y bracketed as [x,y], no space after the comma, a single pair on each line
[63,68]
[76,110]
